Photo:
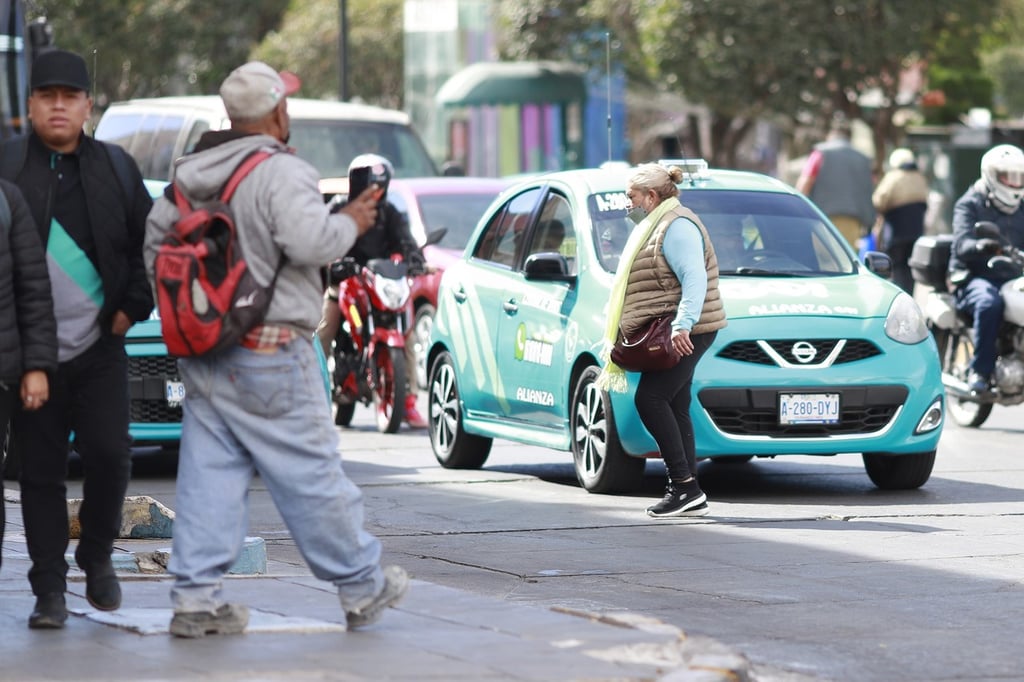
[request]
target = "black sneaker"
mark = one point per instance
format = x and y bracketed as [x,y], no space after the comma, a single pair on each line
[678,501]
[396,583]
[228,619]
[50,612]
[978,383]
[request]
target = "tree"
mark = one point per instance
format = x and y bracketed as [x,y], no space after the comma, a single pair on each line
[307,43]
[139,48]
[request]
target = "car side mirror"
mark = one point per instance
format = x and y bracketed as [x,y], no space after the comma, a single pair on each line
[548,266]
[878,263]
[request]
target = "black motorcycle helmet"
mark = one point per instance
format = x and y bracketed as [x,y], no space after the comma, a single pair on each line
[380,171]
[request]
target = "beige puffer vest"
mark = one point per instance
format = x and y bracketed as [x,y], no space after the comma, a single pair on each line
[653,290]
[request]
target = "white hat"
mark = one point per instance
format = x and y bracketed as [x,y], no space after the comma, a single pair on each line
[253,90]
[900,157]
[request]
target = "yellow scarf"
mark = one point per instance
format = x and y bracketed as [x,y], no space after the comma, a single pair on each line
[613,377]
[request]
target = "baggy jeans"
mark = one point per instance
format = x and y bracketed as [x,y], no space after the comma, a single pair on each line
[249,412]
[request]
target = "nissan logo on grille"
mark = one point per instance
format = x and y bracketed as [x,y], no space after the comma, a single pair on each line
[803,352]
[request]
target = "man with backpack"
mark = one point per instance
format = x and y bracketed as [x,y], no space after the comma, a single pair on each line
[90,206]
[261,406]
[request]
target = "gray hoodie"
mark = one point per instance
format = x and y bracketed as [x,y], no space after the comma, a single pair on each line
[278,210]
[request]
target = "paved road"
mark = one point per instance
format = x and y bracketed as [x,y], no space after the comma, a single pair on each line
[803,566]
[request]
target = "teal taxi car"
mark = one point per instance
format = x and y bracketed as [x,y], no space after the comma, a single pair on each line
[821,356]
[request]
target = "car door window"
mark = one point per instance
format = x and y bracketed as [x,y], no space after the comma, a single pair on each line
[555,232]
[502,240]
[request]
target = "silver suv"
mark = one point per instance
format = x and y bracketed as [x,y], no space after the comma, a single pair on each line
[327,134]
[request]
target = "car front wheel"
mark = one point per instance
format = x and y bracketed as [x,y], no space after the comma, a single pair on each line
[452,446]
[602,466]
[899,472]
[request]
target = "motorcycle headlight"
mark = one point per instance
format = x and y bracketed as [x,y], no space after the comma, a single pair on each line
[905,321]
[393,292]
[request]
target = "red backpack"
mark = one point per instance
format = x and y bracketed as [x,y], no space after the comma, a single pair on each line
[206,295]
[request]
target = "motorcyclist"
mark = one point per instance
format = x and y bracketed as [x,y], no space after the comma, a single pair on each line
[995,197]
[390,235]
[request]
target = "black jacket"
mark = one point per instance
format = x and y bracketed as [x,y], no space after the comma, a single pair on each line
[391,234]
[28,332]
[118,204]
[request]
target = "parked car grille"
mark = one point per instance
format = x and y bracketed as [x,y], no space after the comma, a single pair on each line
[755,411]
[755,351]
[147,375]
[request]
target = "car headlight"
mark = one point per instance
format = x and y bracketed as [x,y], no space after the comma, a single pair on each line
[905,322]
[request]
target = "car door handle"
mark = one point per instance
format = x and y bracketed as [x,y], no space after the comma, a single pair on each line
[460,295]
[510,306]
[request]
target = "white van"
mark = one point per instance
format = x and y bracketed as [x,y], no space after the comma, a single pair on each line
[327,134]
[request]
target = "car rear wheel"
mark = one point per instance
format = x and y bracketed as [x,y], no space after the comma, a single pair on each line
[421,328]
[602,465]
[890,471]
[453,447]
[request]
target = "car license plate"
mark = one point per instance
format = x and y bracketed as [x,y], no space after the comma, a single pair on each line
[175,392]
[808,408]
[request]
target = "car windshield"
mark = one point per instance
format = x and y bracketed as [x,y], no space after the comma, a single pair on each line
[458,213]
[331,145]
[754,233]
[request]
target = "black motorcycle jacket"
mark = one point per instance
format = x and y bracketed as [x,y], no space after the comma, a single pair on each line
[966,261]
[390,234]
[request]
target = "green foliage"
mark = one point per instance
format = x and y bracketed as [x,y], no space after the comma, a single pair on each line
[963,90]
[307,43]
[1005,68]
[142,48]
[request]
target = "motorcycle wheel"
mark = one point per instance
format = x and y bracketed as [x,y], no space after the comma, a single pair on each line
[956,350]
[389,388]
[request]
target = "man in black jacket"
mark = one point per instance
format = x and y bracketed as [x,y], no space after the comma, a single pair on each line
[28,332]
[90,205]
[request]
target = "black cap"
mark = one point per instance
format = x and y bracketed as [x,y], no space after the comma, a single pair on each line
[59,67]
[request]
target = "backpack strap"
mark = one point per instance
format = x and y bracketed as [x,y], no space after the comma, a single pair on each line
[244,168]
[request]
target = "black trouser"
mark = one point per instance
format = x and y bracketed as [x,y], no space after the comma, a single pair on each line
[89,396]
[663,403]
[902,275]
[8,394]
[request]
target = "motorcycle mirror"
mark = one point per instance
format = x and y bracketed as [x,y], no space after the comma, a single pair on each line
[985,229]
[1003,268]
[435,236]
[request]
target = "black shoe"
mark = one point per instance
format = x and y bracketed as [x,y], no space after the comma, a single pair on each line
[680,500]
[102,589]
[978,383]
[50,612]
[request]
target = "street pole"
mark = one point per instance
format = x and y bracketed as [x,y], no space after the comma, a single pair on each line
[343,50]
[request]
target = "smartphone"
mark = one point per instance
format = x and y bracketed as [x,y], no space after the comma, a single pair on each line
[358,181]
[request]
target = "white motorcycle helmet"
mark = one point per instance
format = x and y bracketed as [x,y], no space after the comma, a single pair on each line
[381,170]
[1002,169]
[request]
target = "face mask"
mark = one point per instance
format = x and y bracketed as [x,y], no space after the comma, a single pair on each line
[637,214]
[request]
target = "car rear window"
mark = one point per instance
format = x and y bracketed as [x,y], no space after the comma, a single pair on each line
[330,145]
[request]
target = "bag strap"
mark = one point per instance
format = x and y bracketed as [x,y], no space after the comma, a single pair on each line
[239,174]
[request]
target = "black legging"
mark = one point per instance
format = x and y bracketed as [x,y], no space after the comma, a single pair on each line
[663,403]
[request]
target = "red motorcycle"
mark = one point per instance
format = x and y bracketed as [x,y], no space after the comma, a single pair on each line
[369,349]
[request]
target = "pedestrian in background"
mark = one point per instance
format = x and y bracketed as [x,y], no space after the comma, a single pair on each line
[28,331]
[262,408]
[901,200]
[837,178]
[90,205]
[668,266]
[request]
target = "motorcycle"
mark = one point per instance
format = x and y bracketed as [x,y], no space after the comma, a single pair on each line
[369,349]
[954,331]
